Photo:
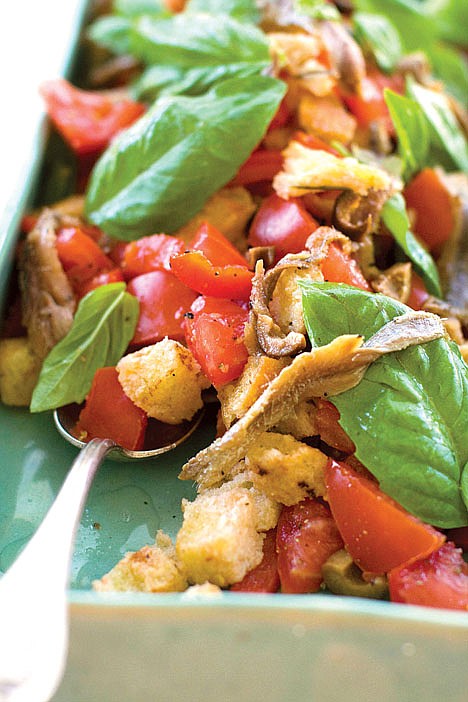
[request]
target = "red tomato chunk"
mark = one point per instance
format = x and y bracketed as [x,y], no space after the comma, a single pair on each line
[109,414]
[150,253]
[263,578]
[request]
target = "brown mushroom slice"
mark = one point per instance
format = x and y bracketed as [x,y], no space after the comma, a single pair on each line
[346,55]
[48,302]
[395,282]
[355,215]
[326,370]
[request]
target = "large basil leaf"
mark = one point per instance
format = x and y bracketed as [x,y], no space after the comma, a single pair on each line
[451,67]
[445,132]
[408,415]
[396,220]
[111,32]
[157,81]
[411,129]
[242,10]
[103,326]
[317,9]
[158,173]
[135,8]
[377,34]
[190,40]
[416,27]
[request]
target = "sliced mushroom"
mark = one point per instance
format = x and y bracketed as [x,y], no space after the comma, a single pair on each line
[327,370]
[346,55]
[48,302]
[356,215]
[395,282]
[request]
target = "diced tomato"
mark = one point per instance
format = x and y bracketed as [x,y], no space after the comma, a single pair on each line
[370,105]
[197,272]
[263,578]
[216,247]
[109,414]
[28,222]
[306,537]
[262,165]
[418,293]
[87,120]
[440,580]
[282,117]
[378,533]
[163,302]
[82,259]
[339,267]
[214,331]
[432,204]
[150,253]
[284,224]
[115,275]
[329,428]
[314,142]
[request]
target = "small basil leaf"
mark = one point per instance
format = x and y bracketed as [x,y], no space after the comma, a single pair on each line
[111,32]
[242,10]
[417,29]
[444,130]
[396,220]
[134,8]
[451,67]
[407,416]
[411,129]
[317,9]
[158,173]
[156,81]
[103,326]
[452,20]
[377,34]
[194,40]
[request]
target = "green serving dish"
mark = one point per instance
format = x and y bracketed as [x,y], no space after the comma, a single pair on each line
[130,648]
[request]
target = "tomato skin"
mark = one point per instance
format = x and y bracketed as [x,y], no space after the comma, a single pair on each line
[214,332]
[197,272]
[109,414]
[216,247]
[82,259]
[339,267]
[263,578]
[284,224]
[150,253]
[331,432]
[113,276]
[370,105]
[440,580]
[306,537]
[418,292]
[432,205]
[378,533]
[163,302]
[262,165]
[87,120]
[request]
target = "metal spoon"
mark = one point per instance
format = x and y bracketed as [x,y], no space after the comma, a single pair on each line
[33,592]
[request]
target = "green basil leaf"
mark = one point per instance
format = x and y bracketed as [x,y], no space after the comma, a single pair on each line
[156,81]
[111,32]
[411,130]
[158,173]
[416,27]
[242,10]
[444,130]
[135,8]
[317,9]
[377,34]
[407,416]
[190,40]
[451,67]
[103,326]
[396,220]
[452,19]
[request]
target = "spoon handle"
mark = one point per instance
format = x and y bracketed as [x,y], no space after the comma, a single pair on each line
[33,592]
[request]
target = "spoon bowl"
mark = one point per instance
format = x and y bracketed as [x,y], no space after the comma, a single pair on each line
[33,592]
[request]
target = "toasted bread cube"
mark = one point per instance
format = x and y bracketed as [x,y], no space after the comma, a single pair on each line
[267,509]
[229,210]
[19,371]
[164,380]
[238,396]
[285,469]
[218,541]
[151,569]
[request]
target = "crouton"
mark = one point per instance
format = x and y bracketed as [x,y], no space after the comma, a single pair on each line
[218,541]
[267,510]
[238,396]
[164,380]
[151,569]
[229,210]
[300,56]
[285,469]
[19,371]
[327,118]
